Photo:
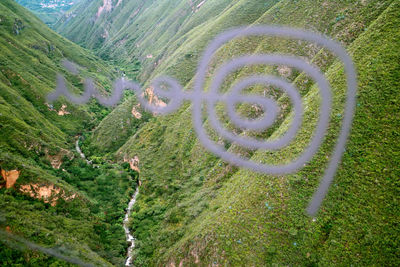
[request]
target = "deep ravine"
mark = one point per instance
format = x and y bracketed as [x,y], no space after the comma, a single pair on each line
[129,237]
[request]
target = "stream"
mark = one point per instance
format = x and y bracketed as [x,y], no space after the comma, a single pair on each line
[78,149]
[129,237]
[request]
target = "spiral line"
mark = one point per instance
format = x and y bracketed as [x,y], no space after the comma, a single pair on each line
[198,96]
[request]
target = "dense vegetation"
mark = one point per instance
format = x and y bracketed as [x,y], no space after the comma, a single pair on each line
[91,221]
[193,208]
[38,139]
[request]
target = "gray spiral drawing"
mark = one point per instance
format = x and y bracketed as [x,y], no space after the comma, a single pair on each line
[199,96]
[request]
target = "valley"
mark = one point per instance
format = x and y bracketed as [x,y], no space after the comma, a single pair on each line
[49,11]
[70,173]
[129,237]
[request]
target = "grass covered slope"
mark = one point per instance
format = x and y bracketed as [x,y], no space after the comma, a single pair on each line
[31,56]
[58,201]
[154,31]
[260,220]
[195,209]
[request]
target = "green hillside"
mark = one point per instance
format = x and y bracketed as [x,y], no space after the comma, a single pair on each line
[152,31]
[58,201]
[193,208]
[214,213]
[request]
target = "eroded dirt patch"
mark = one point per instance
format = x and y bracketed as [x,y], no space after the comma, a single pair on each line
[153,99]
[133,163]
[10,177]
[46,193]
[107,6]
[135,111]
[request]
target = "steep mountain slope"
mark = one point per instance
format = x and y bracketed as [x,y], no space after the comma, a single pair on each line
[151,31]
[153,35]
[256,220]
[49,11]
[204,211]
[193,208]
[50,197]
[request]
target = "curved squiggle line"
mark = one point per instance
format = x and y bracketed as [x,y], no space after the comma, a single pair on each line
[176,95]
[322,40]
[49,251]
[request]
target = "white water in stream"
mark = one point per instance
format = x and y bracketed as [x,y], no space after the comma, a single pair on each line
[78,149]
[129,237]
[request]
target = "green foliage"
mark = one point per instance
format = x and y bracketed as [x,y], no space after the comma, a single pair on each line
[192,207]
[232,217]
[115,129]
[31,132]
[93,217]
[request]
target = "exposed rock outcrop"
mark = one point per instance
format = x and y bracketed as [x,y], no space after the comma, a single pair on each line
[107,6]
[47,193]
[10,177]
[133,163]
[135,111]
[63,110]
[153,99]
